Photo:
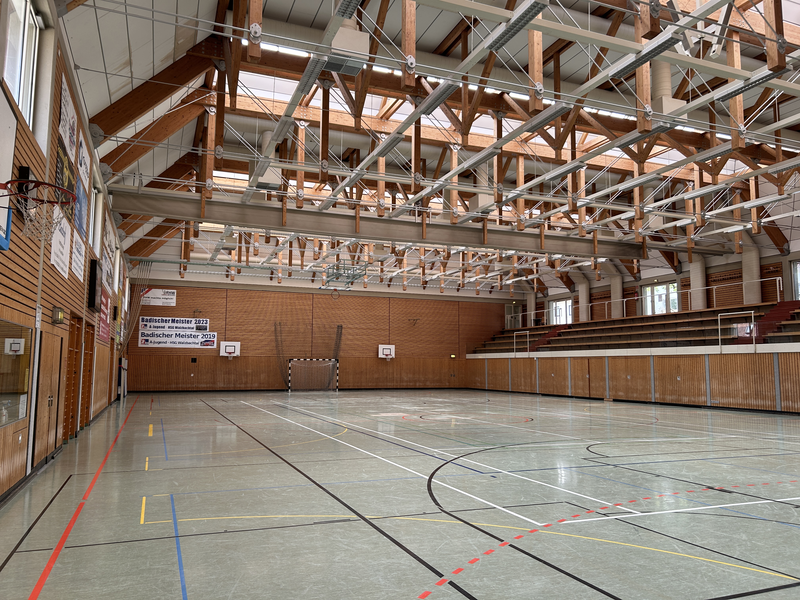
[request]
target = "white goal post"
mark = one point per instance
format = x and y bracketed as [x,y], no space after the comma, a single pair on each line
[313,374]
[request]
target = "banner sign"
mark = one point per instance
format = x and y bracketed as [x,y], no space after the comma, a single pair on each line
[104,321]
[60,248]
[172,324]
[177,339]
[153,297]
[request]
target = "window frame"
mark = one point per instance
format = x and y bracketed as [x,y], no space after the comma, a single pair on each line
[648,295]
[23,88]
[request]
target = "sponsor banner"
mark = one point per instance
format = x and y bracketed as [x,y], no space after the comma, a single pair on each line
[104,323]
[68,120]
[153,297]
[107,272]
[78,257]
[172,324]
[177,339]
[59,247]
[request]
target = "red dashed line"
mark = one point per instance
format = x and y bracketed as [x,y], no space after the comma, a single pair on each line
[442,581]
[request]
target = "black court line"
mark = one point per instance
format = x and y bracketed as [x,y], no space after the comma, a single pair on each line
[757,592]
[27,532]
[363,518]
[500,539]
[590,446]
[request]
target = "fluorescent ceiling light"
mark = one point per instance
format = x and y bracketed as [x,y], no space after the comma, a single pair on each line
[389,144]
[713,153]
[440,93]
[518,21]
[748,84]
[786,165]
[629,185]
[704,191]
[547,115]
[347,8]
[567,169]
[313,69]
[660,44]
[762,201]
[630,138]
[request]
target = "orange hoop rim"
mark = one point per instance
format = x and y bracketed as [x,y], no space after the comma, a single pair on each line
[32,184]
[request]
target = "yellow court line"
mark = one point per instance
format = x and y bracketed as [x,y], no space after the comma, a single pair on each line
[254,449]
[150,431]
[482,525]
[146,463]
[719,562]
[144,499]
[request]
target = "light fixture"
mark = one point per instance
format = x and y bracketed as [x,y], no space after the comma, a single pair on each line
[309,77]
[544,117]
[389,144]
[660,44]
[440,93]
[786,165]
[704,191]
[518,21]
[347,8]
[629,185]
[567,169]
[713,153]
[58,315]
[629,139]
[748,84]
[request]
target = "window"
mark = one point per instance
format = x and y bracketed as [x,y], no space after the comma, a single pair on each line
[21,50]
[796,279]
[658,299]
[15,364]
[561,312]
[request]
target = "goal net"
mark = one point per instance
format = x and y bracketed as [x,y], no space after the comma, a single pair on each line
[313,374]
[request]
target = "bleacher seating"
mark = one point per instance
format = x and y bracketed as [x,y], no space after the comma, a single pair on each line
[787,330]
[691,328]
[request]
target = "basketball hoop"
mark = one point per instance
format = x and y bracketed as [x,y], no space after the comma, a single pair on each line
[37,201]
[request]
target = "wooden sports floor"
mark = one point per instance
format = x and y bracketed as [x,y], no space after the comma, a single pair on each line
[440,494]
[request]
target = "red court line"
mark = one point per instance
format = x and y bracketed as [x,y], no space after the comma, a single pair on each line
[54,556]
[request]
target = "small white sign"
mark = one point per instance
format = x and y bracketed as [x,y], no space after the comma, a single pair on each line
[153,297]
[177,339]
[172,324]
[15,346]
[59,247]
[78,257]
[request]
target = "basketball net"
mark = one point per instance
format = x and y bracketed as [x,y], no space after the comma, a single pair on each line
[42,205]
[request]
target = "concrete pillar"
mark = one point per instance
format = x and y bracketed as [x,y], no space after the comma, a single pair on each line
[697,275]
[610,272]
[530,300]
[751,271]
[582,284]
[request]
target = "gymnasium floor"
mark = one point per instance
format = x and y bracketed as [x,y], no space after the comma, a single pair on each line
[410,494]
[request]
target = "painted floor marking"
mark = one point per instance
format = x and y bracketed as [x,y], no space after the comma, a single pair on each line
[482,465]
[64,536]
[141,520]
[150,431]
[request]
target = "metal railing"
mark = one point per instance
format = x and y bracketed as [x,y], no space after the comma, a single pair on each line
[752,314]
[527,343]
[527,319]
[778,289]
[605,303]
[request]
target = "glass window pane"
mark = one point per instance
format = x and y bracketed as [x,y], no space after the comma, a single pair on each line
[15,363]
[13,68]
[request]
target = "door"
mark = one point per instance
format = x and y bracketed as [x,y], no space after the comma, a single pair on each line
[73,380]
[46,430]
[88,375]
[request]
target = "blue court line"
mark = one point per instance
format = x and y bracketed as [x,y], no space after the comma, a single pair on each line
[164,437]
[178,547]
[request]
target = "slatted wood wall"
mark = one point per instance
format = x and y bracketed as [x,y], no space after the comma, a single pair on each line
[725,289]
[600,311]
[770,291]
[425,334]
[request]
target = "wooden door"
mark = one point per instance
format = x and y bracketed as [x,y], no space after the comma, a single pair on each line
[44,441]
[88,375]
[56,424]
[72,380]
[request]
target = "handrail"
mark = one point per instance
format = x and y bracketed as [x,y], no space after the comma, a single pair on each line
[752,314]
[778,288]
[528,345]
[605,309]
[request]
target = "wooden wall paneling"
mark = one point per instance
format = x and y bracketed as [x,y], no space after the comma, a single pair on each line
[579,375]
[498,374]
[769,289]
[72,379]
[13,453]
[742,380]
[89,367]
[597,377]
[553,379]
[478,322]
[629,378]
[685,287]
[681,379]
[725,287]
[789,366]
[523,375]
[423,328]
[599,310]
[473,374]
[201,303]
[364,320]
[630,295]
[100,385]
